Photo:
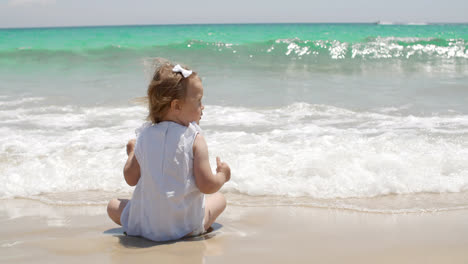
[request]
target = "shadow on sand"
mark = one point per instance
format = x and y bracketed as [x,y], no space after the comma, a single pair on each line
[140,242]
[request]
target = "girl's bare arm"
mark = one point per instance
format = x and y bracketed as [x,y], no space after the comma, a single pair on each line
[131,169]
[205,180]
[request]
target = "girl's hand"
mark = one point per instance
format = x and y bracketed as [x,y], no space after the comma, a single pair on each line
[223,168]
[131,146]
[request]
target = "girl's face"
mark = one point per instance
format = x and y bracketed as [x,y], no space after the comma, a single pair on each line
[192,107]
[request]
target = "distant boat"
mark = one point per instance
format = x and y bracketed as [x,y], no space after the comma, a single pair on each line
[418,23]
[384,23]
[401,23]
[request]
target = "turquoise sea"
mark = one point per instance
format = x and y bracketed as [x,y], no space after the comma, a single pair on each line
[361,116]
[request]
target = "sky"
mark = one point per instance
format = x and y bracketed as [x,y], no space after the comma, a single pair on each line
[52,13]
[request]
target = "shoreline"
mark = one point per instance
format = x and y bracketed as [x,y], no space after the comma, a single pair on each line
[412,203]
[34,231]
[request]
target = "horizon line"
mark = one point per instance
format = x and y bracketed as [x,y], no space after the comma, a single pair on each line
[379,22]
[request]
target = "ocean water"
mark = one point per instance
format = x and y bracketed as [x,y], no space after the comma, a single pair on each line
[358,116]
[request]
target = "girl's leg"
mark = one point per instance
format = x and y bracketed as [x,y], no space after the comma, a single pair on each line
[214,206]
[115,208]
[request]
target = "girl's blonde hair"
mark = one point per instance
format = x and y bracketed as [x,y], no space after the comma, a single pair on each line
[165,87]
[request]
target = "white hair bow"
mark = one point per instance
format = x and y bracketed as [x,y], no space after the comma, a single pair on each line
[185,73]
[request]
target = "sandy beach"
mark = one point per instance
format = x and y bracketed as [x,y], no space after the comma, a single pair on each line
[33,231]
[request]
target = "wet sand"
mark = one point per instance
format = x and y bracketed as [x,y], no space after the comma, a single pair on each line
[33,231]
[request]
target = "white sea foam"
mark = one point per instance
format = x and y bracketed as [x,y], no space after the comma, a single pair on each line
[338,49]
[293,47]
[23,100]
[327,152]
[300,150]
[62,149]
[378,48]
[389,47]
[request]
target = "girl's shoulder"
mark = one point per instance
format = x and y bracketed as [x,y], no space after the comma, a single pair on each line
[195,127]
[144,126]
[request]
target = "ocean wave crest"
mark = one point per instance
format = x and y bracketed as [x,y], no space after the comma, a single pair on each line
[407,48]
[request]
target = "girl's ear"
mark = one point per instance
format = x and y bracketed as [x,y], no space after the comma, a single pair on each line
[175,104]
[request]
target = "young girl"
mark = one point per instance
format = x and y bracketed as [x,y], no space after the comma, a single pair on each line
[168,163]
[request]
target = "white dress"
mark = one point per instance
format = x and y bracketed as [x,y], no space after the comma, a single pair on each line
[166,204]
